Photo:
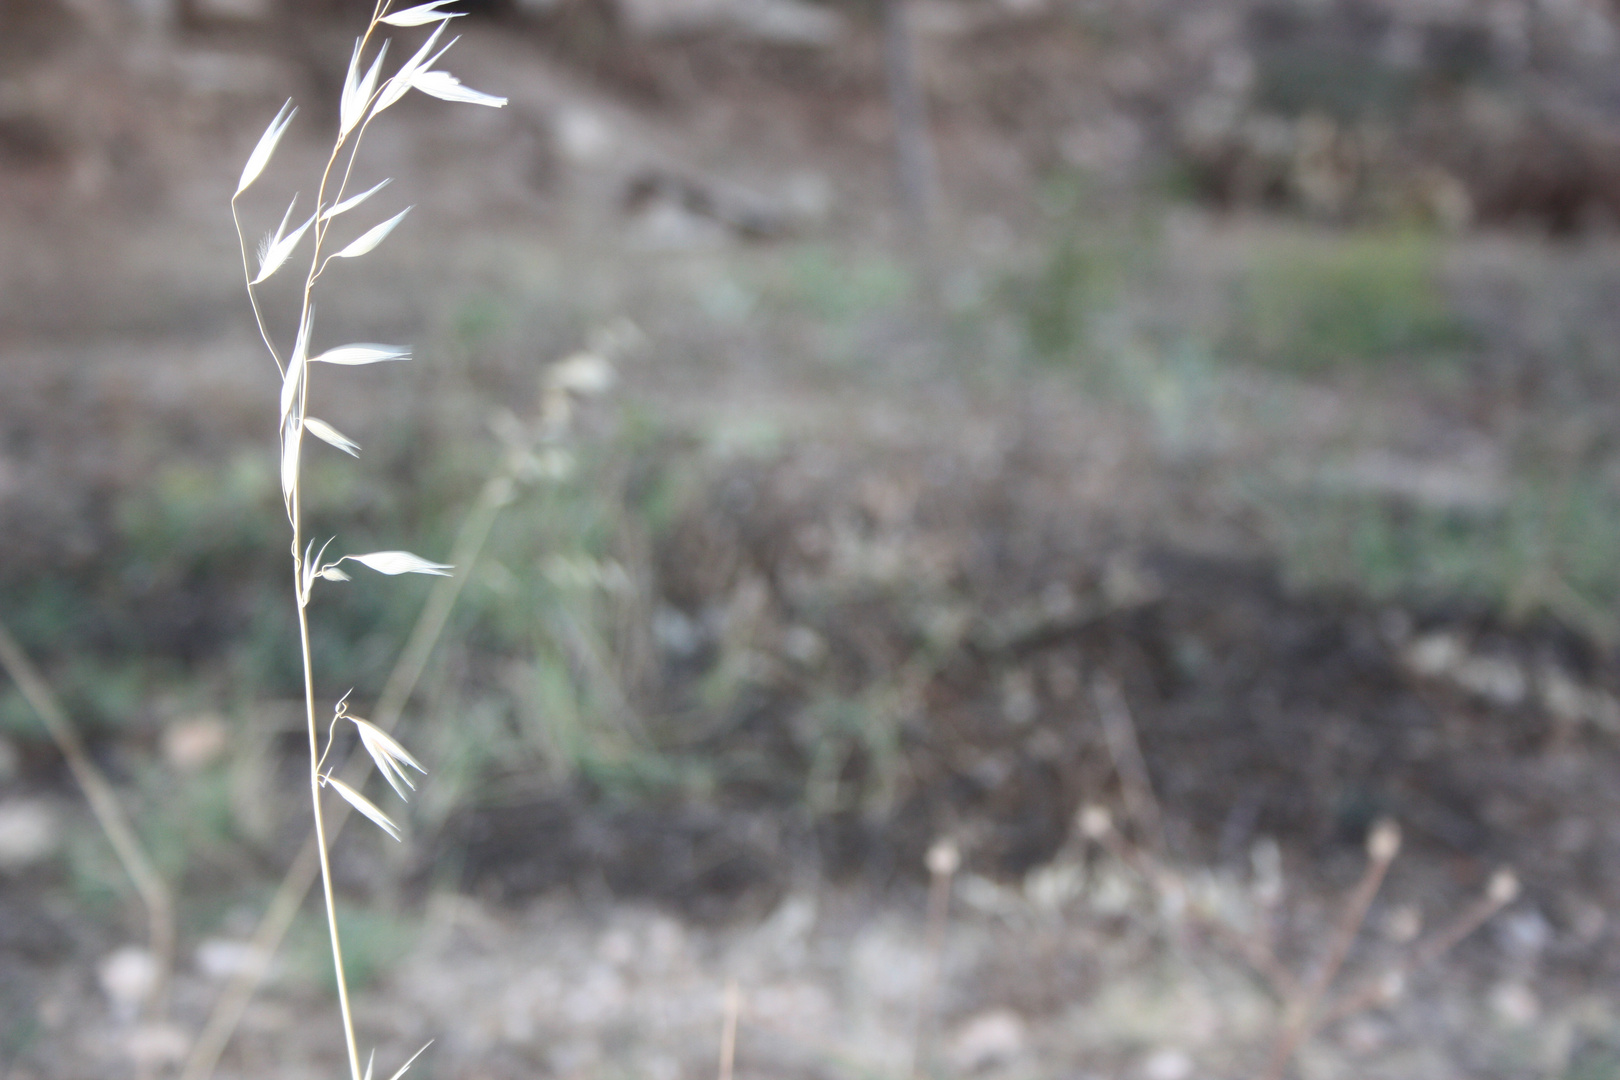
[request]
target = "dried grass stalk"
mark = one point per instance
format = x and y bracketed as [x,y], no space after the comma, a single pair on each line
[362,100]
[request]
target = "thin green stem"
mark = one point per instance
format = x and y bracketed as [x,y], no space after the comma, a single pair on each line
[315,803]
[247,276]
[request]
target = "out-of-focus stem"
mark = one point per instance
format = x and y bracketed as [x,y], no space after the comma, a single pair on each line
[104,804]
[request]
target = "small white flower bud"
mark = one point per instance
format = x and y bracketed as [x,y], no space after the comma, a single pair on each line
[1095,822]
[1504,887]
[943,858]
[1384,842]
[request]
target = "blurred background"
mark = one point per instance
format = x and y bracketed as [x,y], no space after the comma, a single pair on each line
[867,428]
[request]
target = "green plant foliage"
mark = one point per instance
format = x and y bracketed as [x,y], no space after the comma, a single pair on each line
[1547,551]
[373,942]
[1059,299]
[835,289]
[1309,305]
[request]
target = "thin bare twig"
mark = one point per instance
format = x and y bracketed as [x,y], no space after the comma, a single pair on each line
[944,860]
[104,804]
[915,165]
[1302,1021]
[732,1005]
[1501,891]
[1119,732]
[1097,824]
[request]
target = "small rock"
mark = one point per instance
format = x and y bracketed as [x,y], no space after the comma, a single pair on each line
[1167,1064]
[1514,1004]
[128,976]
[1363,1035]
[157,1044]
[1403,924]
[222,958]
[30,832]
[804,646]
[195,743]
[990,1038]
[582,136]
[618,947]
[1019,703]
[1055,886]
[1434,654]
[1524,935]
[1568,700]
[233,10]
[781,22]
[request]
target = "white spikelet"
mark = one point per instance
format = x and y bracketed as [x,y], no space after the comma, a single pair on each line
[331,436]
[401,562]
[362,353]
[389,756]
[290,442]
[446,87]
[371,237]
[396,87]
[294,374]
[357,92]
[275,249]
[260,157]
[355,200]
[412,1060]
[421,15]
[364,805]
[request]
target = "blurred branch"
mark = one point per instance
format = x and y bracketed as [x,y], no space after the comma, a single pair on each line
[731,1006]
[1383,844]
[915,163]
[1125,750]
[1502,889]
[104,804]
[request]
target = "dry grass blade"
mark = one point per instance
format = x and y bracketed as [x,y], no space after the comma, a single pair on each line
[364,805]
[1119,731]
[291,380]
[732,1006]
[347,111]
[290,443]
[411,1061]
